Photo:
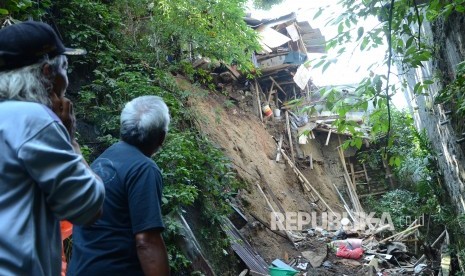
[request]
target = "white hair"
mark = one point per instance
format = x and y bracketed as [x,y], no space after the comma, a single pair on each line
[29,83]
[144,120]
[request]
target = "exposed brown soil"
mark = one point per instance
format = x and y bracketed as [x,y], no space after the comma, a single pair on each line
[233,127]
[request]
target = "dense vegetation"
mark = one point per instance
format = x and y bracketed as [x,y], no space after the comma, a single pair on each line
[419,192]
[400,27]
[135,45]
[134,48]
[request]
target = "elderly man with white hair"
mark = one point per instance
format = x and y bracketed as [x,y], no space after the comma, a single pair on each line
[127,239]
[43,177]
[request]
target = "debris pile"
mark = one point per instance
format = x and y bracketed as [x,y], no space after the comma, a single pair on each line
[367,254]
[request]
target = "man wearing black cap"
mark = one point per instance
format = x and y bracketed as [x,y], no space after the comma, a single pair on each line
[43,177]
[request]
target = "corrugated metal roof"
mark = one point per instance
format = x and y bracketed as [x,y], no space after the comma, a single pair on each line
[244,250]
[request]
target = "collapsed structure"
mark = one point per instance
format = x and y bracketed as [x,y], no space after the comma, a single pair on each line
[289,106]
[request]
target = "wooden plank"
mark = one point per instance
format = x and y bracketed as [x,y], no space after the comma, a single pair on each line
[290,136]
[373,194]
[296,170]
[318,118]
[258,100]
[280,223]
[277,85]
[270,191]
[234,72]
[268,227]
[357,172]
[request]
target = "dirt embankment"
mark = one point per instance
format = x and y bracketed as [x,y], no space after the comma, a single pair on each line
[249,143]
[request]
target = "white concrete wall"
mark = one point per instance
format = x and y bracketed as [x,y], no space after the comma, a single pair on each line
[427,115]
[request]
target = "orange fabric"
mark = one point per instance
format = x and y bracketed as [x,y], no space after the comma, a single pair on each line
[66,231]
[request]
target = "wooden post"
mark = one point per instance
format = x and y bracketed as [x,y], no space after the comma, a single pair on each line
[308,185]
[366,176]
[353,175]
[290,136]
[311,161]
[328,137]
[278,148]
[277,85]
[280,223]
[258,100]
[277,100]
[270,93]
[352,192]
[419,261]
[270,192]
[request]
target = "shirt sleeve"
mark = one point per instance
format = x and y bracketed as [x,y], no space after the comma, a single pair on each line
[71,189]
[144,195]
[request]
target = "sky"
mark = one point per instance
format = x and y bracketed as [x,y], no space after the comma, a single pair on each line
[352,66]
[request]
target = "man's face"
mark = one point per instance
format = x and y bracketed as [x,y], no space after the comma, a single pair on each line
[59,85]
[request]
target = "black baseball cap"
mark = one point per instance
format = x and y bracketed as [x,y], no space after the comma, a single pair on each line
[29,42]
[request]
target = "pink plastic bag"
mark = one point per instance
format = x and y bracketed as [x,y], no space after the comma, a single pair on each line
[344,252]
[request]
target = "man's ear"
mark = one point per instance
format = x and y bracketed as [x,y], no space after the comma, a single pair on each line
[162,138]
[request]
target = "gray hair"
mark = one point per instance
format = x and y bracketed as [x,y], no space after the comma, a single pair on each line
[29,83]
[144,120]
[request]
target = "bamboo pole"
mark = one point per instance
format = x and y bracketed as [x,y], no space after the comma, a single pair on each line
[306,181]
[289,135]
[288,234]
[344,201]
[352,192]
[399,238]
[400,233]
[328,137]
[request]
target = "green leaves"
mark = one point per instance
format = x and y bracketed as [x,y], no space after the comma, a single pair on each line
[318,13]
[21,10]
[359,33]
